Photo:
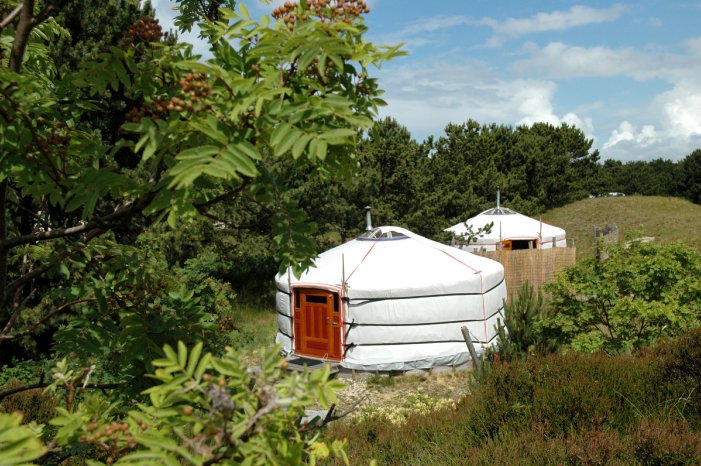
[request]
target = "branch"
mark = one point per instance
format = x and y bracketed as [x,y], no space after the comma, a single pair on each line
[56,311]
[36,218]
[11,17]
[23,388]
[3,236]
[19,307]
[12,286]
[45,12]
[38,142]
[225,195]
[103,222]
[330,417]
[24,29]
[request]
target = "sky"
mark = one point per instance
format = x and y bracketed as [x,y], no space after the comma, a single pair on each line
[627,74]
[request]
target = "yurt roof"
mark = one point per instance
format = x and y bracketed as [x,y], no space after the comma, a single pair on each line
[509,224]
[392,262]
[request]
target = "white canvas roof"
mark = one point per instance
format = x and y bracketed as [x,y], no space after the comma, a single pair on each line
[509,224]
[406,298]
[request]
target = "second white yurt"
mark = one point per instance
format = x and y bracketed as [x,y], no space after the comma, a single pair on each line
[390,300]
[510,231]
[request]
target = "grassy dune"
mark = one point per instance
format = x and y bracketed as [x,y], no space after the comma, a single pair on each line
[665,218]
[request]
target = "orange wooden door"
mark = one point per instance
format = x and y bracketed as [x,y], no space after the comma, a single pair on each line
[317,323]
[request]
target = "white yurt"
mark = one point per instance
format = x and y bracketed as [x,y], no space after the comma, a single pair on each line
[510,231]
[390,300]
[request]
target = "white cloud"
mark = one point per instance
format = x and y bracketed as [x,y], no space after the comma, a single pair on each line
[682,110]
[576,16]
[436,23]
[586,124]
[559,61]
[426,98]
[626,131]
[533,101]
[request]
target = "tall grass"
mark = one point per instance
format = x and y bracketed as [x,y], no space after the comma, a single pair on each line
[665,218]
[254,326]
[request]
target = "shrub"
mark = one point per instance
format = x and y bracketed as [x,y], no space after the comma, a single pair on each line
[640,293]
[204,410]
[517,336]
[34,405]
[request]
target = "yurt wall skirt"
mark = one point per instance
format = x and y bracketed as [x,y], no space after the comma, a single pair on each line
[391,300]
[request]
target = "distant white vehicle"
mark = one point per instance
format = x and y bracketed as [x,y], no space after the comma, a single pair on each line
[614,194]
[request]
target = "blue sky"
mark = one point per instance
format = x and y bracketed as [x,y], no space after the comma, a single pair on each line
[627,74]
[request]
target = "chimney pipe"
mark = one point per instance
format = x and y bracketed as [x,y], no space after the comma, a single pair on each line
[368,218]
[498,199]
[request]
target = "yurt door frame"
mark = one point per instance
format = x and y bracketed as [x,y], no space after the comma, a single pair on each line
[318,323]
[514,244]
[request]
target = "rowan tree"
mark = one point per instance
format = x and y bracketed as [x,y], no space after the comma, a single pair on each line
[196,133]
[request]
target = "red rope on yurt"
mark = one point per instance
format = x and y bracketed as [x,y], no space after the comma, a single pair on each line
[478,272]
[455,258]
[361,262]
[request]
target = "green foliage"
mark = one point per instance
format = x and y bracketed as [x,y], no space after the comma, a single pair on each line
[536,168]
[19,444]
[658,177]
[380,380]
[640,293]
[204,409]
[142,132]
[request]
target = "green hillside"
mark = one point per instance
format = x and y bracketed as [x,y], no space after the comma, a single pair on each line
[665,218]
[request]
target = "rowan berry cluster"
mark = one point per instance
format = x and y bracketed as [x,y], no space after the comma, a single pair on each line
[145,29]
[194,90]
[194,87]
[110,431]
[326,10]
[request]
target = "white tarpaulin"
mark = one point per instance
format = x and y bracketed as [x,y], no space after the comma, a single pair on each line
[509,225]
[404,301]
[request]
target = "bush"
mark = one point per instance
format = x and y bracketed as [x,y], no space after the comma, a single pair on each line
[34,405]
[641,293]
[205,410]
[517,336]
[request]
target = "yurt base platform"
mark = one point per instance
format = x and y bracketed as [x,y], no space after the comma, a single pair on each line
[361,374]
[297,363]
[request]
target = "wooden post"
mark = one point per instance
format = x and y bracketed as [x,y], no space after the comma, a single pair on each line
[471,347]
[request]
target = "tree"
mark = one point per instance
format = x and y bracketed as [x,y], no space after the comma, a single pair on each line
[93,28]
[199,133]
[690,176]
[195,135]
[558,164]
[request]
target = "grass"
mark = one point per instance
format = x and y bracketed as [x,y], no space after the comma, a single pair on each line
[664,218]
[255,327]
